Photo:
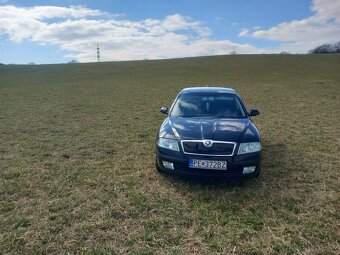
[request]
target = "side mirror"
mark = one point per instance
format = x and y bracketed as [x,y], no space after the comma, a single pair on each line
[164,110]
[254,112]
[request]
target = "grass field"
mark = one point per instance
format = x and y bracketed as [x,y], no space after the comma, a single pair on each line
[77,159]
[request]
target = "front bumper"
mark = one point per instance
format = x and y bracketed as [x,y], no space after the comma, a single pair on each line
[235,164]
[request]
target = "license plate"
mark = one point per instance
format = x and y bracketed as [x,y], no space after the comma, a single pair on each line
[208,164]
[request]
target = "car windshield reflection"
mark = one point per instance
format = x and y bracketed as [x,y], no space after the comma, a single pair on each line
[212,105]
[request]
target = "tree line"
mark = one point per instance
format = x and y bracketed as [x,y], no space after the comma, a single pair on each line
[326,48]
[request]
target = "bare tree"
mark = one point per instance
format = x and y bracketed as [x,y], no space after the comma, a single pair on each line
[73,61]
[326,48]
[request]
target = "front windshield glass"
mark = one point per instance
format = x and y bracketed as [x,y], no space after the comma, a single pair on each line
[208,105]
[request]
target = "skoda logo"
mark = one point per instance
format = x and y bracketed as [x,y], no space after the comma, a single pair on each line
[207,143]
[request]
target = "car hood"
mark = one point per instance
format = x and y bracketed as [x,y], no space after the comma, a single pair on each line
[212,129]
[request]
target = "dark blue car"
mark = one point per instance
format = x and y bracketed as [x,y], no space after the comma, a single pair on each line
[208,132]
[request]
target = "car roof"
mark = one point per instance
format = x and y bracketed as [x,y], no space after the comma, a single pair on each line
[209,89]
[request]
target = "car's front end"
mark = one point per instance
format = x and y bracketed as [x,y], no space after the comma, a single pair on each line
[206,145]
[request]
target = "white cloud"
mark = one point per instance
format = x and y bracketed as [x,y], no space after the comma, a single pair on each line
[178,22]
[47,12]
[25,23]
[244,32]
[302,35]
[78,30]
[327,9]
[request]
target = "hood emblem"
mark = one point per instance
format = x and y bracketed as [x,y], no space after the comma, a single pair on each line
[207,143]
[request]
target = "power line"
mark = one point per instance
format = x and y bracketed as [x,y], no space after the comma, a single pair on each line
[98,53]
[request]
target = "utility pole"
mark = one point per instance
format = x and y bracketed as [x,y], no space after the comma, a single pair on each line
[98,53]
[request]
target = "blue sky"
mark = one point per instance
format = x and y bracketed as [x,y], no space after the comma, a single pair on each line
[57,31]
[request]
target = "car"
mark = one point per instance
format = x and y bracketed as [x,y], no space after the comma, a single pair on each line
[209,133]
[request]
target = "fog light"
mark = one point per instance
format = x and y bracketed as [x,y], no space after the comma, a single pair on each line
[168,165]
[248,169]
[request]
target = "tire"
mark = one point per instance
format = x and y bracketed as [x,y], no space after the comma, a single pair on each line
[157,167]
[257,174]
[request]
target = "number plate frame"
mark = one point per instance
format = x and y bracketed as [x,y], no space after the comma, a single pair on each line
[208,164]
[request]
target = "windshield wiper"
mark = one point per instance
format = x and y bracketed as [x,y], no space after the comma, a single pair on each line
[228,117]
[195,116]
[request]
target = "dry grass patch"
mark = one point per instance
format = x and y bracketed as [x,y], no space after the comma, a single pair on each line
[77,160]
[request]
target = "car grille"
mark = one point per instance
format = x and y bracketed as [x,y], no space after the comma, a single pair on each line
[217,148]
[230,172]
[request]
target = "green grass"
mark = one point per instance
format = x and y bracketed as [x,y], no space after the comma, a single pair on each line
[77,159]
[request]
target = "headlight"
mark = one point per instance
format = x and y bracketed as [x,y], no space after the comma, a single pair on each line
[249,147]
[168,144]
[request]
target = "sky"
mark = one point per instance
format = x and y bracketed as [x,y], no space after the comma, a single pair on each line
[51,31]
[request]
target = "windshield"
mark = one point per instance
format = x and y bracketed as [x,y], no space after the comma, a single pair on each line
[213,105]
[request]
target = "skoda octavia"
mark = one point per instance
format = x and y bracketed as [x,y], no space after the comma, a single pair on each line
[208,132]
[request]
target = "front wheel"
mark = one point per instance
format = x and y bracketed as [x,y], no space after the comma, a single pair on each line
[257,174]
[158,167]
